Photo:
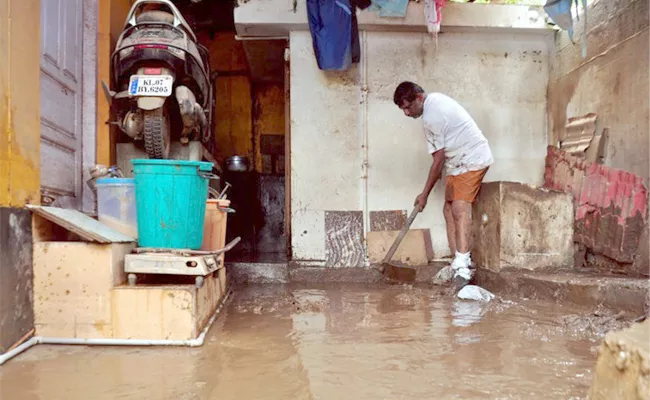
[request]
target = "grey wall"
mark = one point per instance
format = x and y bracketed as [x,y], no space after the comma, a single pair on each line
[611,81]
[16,276]
[337,128]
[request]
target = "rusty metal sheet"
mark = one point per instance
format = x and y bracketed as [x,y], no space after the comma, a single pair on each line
[579,133]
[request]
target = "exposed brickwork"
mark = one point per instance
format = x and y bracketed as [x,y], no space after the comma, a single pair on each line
[611,205]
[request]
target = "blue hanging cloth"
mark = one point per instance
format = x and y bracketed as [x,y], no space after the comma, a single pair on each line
[560,12]
[330,23]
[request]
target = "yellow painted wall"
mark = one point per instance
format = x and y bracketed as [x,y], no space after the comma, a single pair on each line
[226,53]
[112,14]
[233,124]
[233,132]
[268,114]
[244,111]
[19,103]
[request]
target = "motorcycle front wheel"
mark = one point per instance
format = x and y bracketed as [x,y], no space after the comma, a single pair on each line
[157,137]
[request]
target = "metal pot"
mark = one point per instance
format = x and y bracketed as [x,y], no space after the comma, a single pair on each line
[237,164]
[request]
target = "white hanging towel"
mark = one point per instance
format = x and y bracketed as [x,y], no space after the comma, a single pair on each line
[433,15]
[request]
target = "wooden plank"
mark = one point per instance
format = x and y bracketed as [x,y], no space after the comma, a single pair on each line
[81,224]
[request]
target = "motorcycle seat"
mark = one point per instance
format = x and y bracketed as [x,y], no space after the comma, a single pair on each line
[155,16]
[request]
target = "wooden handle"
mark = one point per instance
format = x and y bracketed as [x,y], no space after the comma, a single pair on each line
[401,235]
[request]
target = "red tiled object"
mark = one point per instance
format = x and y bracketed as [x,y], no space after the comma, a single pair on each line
[610,204]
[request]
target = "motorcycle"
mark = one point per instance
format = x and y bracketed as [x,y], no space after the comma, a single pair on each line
[157,55]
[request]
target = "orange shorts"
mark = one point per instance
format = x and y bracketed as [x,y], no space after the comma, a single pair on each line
[464,186]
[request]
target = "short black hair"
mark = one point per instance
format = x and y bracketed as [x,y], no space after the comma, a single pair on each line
[406,91]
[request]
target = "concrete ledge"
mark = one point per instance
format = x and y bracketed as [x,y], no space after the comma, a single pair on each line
[166,312]
[424,274]
[277,18]
[255,273]
[613,292]
[334,275]
[258,272]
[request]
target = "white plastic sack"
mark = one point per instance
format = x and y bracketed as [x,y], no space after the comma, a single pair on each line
[473,292]
[443,276]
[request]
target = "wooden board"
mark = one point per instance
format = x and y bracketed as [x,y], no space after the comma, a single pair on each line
[79,223]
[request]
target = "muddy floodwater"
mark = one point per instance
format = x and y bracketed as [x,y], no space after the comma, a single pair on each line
[334,342]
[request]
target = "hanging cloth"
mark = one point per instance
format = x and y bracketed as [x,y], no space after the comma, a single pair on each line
[433,15]
[560,13]
[356,46]
[330,24]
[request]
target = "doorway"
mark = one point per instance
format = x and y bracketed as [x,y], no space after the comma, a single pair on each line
[250,123]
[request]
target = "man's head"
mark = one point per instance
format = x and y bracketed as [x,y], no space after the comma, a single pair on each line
[409,97]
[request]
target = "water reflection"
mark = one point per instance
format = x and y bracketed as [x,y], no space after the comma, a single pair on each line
[330,342]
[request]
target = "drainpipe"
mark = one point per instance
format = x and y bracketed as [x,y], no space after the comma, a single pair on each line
[363,126]
[114,342]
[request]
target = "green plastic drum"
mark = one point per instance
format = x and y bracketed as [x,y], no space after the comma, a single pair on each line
[170,197]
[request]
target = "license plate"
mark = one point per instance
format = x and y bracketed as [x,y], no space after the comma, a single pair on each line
[151,85]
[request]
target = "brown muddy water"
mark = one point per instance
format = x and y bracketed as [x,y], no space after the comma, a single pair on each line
[334,342]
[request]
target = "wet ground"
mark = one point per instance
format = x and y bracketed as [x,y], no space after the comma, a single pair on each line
[337,342]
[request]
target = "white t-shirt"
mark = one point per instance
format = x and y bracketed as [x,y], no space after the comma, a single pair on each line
[448,125]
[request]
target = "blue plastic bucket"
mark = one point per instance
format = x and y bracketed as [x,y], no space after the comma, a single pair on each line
[170,200]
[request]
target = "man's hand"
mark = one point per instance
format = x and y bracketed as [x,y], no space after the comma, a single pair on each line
[434,175]
[421,201]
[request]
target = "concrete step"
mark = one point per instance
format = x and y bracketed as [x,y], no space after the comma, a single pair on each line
[285,273]
[614,292]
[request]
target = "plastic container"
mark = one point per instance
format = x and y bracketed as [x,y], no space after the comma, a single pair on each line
[214,228]
[116,205]
[170,199]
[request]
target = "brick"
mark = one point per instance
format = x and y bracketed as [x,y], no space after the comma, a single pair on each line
[548,177]
[611,205]
[619,201]
[591,169]
[590,195]
[640,201]
[603,185]
[578,183]
[612,186]
[617,240]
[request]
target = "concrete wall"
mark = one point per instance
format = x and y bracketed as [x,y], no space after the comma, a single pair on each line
[336,130]
[19,103]
[611,81]
[19,162]
[110,21]
[611,211]
[517,226]
[16,294]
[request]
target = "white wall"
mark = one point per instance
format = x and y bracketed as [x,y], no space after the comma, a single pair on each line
[500,78]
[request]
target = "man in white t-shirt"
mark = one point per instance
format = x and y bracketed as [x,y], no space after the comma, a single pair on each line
[455,142]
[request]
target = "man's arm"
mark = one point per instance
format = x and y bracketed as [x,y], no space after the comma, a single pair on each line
[434,174]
